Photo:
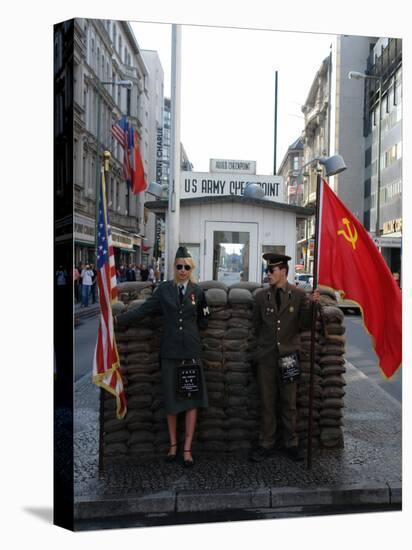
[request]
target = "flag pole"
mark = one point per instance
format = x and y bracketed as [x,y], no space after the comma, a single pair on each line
[173,213]
[314,309]
[103,174]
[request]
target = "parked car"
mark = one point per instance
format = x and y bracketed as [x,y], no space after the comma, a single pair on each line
[304,280]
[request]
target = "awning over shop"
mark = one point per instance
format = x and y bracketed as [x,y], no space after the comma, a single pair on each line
[83,243]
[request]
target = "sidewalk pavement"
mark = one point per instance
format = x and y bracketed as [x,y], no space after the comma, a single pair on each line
[366,473]
[84,312]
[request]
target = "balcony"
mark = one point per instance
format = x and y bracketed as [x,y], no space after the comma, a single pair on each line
[309,200]
[122,221]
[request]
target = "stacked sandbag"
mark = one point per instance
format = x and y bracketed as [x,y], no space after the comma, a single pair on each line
[210,433]
[246,285]
[138,348]
[231,422]
[242,400]
[303,387]
[332,365]
[134,290]
[115,432]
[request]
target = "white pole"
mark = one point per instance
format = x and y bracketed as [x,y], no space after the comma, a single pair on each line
[173,214]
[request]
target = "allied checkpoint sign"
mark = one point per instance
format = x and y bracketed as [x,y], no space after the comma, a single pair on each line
[219,184]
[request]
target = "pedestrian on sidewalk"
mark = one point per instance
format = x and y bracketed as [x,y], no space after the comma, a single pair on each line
[122,273]
[94,281]
[80,289]
[75,279]
[281,310]
[144,273]
[87,281]
[130,273]
[157,274]
[137,276]
[184,310]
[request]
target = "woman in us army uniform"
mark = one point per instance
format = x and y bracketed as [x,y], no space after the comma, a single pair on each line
[184,310]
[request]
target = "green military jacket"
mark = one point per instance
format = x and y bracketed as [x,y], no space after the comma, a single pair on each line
[181,322]
[277,332]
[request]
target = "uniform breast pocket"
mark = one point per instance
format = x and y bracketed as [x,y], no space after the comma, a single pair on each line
[269,311]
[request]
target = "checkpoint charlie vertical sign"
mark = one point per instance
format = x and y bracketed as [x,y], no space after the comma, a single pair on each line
[219,184]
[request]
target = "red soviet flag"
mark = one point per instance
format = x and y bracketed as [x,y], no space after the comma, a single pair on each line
[138,182]
[350,262]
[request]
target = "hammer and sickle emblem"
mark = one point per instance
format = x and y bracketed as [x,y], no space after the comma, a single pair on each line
[349,236]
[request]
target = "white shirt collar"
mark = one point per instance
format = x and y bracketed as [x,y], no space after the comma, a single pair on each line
[184,286]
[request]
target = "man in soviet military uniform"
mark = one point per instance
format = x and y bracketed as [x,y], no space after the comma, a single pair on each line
[281,312]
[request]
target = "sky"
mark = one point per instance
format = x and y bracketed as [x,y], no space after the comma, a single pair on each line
[228,88]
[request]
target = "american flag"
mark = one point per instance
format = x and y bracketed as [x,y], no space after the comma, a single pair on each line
[106,362]
[121,131]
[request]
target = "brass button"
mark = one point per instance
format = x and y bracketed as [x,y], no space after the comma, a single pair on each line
[180,320]
[180,328]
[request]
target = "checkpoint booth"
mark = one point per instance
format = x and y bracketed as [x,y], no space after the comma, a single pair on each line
[226,232]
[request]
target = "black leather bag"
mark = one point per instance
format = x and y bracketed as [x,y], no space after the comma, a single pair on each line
[188,380]
[289,368]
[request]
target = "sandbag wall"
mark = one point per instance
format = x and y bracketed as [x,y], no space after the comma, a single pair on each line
[231,422]
[332,367]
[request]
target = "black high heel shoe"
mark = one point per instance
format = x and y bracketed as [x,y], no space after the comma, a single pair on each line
[188,463]
[171,457]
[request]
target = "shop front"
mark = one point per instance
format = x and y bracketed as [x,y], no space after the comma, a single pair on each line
[84,240]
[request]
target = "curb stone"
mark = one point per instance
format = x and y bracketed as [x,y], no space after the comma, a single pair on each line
[248,499]
[195,501]
[162,502]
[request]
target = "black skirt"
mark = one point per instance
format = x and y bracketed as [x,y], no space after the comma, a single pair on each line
[173,404]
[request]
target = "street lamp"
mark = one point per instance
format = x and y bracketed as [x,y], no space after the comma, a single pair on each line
[125,84]
[355,75]
[333,165]
[254,191]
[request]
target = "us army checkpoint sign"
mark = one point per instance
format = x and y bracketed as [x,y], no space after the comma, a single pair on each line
[218,184]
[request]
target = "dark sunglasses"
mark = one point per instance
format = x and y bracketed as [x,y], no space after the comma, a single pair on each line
[270,269]
[180,266]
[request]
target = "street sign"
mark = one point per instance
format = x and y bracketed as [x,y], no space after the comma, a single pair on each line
[388,242]
[229,165]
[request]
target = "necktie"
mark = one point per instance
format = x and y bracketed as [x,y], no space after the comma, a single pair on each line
[181,293]
[277,298]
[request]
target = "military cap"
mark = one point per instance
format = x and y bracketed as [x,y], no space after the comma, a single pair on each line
[274,260]
[182,252]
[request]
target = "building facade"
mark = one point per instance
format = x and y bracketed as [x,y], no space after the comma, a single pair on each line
[106,52]
[316,143]
[341,117]
[291,172]
[356,105]
[385,60]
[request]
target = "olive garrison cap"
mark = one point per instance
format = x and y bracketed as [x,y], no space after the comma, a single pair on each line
[182,252]
[274,260]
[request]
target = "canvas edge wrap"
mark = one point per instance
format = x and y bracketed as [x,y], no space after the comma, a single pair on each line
[63,337]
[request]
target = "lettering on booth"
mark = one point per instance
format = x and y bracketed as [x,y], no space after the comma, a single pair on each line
[209,186]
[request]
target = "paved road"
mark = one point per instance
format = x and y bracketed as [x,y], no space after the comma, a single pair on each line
[84,342]
[359,352]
